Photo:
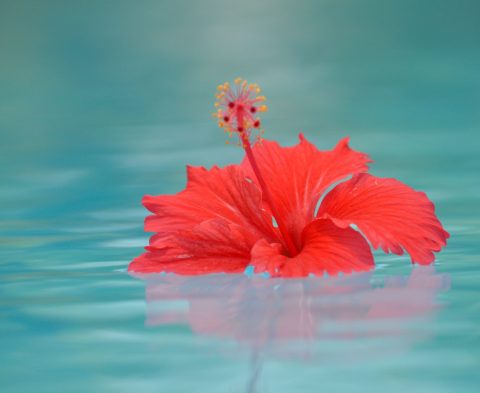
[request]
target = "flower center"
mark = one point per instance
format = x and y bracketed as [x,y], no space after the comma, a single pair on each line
[236,112]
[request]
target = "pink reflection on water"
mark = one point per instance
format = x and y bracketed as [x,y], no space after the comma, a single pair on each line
[363,315]
[257,311]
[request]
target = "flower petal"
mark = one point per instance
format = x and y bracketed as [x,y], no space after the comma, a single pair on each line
[216,193]
[297,176]
[390,214]
[213,246]
[210,226]
[326,249]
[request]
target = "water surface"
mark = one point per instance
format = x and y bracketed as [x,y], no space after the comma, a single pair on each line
[103,102]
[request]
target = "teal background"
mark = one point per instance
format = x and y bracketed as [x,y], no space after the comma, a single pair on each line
[102,102]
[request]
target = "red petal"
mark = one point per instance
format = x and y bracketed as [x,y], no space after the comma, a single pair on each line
[390,214]
[298,175]
[326,249]
[211,247]
[215,193]
[209,227]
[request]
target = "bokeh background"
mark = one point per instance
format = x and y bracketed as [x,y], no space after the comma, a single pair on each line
[102,102]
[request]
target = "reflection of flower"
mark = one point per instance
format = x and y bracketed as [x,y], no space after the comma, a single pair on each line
[263,211]
[258,311]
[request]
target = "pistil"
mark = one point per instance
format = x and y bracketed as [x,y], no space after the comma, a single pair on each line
[237,110]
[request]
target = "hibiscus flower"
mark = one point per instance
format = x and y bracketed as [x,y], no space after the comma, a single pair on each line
[264,212]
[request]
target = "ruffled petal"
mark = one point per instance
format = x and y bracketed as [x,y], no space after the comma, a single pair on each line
[390,214]
[214,246]
[216,193]
[209,227]
[326,248]
[297,176]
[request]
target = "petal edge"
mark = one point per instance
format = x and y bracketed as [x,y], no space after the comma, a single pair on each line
[392,215]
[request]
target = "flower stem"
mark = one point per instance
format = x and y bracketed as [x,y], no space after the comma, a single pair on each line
[289,244]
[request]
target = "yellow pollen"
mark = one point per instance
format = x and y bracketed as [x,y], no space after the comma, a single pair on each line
[236,108]
[262,108]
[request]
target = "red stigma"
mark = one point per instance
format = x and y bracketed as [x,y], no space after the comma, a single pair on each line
[240,129]
[256,124]
[231,105]
[226,118]
[253,109]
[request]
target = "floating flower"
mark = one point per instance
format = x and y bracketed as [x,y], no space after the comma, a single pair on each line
[263,212]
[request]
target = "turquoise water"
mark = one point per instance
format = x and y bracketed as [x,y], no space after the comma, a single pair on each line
[103,102]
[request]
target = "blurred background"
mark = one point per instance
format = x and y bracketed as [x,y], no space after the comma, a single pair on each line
[102,102]
[86,84]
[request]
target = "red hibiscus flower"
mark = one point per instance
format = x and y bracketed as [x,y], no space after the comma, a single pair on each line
[264,211]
